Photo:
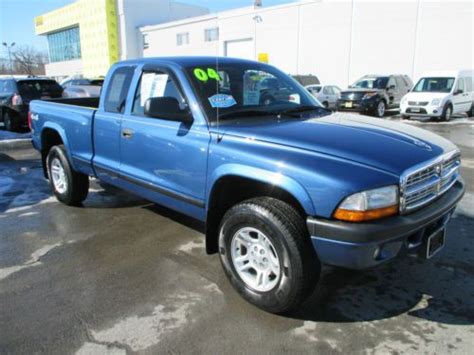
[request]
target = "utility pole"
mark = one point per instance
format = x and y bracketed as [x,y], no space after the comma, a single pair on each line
[9,47]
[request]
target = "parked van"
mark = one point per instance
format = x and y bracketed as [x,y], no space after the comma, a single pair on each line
[440,95]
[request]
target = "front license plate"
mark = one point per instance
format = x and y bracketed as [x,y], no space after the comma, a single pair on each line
[348,104]
[435,242]
[415,110]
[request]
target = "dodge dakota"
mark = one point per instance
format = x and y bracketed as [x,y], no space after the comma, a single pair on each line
[283,185]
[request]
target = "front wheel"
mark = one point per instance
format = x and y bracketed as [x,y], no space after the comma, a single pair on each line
[405,117]
[380,109]
[69,187]
[447,113]
[267,254]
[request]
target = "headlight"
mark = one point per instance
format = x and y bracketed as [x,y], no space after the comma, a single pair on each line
[369,95]
[435,102]
[369,205]
[404,100]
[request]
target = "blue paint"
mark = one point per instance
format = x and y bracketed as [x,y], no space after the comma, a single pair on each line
[319,161]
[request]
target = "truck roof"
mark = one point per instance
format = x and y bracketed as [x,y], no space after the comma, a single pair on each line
[188,61]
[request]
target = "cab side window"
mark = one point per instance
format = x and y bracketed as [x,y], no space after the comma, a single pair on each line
[155,84]
[391,82]
[116,95]
[469,83]
[460,85]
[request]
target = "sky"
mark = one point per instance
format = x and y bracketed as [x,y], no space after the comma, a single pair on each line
[16,17]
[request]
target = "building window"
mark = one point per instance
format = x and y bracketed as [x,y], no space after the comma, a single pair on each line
[182,38]
[64,45]
[211,34]
[146,44]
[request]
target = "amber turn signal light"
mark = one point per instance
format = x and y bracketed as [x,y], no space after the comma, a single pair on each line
[362,216]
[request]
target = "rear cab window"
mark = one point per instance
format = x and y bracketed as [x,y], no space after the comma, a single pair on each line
[39,88]
[117,89]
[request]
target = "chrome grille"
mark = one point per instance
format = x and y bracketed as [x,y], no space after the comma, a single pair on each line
[418,103]
[421,185]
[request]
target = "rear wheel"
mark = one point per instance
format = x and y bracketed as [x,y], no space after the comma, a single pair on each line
[405,117]
[11,122]
[267,255]
[470,113]
[69,187]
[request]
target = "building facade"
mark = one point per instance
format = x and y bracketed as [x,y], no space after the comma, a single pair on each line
[337,40]
[88,36]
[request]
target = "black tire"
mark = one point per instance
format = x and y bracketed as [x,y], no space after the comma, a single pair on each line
[77,184]
[326,104]
[379,112]
[267,100]
[470,113]
[11,122]
[286,230]
[405,117]
[447,113]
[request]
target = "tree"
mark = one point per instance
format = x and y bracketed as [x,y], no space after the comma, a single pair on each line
[28,60]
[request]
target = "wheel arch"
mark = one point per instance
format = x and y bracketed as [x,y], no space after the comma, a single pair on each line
[234,187]
[51,136]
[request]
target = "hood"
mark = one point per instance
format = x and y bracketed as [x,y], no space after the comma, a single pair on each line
[390,146]
[357,94]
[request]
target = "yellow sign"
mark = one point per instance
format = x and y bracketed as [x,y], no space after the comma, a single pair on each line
[263,57]
[39,21]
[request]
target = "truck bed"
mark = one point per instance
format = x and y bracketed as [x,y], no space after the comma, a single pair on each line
[73,119]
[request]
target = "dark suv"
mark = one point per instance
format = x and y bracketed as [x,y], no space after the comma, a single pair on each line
[15,97]
[374,94]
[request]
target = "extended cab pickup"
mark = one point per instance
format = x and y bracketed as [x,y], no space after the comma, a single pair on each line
[284,185]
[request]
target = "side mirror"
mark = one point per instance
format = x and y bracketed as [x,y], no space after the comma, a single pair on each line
[458,91]
[167,108]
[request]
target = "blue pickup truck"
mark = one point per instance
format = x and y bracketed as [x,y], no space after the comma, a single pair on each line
[283,185]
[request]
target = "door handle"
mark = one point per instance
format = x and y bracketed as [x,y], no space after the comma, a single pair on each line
[127,133]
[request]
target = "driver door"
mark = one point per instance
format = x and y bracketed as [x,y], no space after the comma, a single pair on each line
[165,159]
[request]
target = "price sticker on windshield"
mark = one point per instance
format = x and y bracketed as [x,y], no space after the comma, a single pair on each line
[206,74]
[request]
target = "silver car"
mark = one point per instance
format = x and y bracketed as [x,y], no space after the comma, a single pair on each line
[326,94]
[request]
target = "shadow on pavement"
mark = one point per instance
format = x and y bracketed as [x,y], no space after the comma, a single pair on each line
[439,290]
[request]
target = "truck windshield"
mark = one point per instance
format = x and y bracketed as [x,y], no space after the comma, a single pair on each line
[371,83]
[434,85]
[240,90]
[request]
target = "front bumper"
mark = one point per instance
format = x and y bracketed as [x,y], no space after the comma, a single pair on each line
[421,111]
[364,245]
[356,105]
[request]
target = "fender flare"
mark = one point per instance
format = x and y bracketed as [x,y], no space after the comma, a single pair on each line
[277,179]
[55,127]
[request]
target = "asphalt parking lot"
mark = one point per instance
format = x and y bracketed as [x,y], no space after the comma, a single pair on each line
[121,275]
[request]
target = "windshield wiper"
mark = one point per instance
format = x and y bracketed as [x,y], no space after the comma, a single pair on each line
[292,112]
[246,112]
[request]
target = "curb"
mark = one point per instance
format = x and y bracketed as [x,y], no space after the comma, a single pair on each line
[9,144]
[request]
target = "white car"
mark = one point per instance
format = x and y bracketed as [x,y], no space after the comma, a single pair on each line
[440,95]
[327,95]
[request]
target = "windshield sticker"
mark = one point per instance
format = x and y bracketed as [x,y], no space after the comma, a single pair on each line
[222,101]
[205,75]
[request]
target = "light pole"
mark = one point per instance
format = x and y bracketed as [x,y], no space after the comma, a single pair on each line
[9,47]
